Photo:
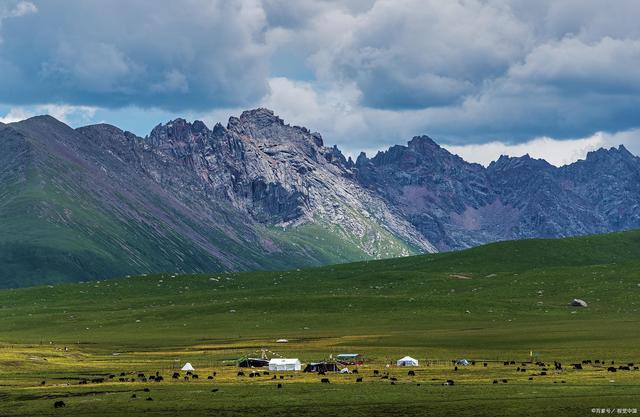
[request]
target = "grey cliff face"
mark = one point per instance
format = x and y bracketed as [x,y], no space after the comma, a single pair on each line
[456,204]
[279,175]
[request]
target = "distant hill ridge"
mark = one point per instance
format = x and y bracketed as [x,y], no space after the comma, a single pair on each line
[97,202]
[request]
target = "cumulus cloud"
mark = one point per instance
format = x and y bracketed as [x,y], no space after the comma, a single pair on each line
[416,53]
[64,113]
[556,152]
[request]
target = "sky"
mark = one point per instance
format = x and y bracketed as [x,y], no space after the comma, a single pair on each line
[552,78]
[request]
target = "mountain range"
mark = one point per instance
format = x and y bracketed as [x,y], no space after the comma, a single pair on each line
[97,201]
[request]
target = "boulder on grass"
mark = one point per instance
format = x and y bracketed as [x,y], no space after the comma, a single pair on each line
[576,302]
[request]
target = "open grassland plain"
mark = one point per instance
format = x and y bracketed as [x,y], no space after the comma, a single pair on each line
[89,344]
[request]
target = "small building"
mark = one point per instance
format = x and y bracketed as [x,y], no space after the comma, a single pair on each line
[407,361]
[321,367]
[187,367]
[253,363]
[284,364]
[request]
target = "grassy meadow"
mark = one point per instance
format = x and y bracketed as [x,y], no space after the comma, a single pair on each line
[496,303]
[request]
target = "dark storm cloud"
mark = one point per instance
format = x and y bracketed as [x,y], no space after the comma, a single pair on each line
[175,55]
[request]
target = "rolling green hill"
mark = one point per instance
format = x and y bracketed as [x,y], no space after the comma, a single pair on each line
[495,303]
[483,295]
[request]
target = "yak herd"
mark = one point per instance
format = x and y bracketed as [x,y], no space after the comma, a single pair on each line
[539,369]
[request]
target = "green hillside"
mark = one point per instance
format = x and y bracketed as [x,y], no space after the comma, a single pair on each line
[504,286]
[495,303]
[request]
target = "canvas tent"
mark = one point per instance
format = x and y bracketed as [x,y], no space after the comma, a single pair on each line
[253,363]
[462,362]
[407,361]
[283,364]
[321,367]
[187,367]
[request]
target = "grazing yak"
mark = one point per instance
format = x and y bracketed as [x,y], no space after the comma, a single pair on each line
[59,404]
[411,373]
[359,379]
[325,380]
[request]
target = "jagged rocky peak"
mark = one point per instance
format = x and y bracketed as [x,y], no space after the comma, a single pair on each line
[611,154]
[423,144]
[178,130]
[525,161]
[264,126]
[260,117]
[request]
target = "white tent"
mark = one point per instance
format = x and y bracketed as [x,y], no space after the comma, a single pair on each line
[407,361]
[282,364]
[187,367]
[345,371]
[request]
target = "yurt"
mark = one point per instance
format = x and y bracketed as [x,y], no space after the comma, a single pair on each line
[407,361]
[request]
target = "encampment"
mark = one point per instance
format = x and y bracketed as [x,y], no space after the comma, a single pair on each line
[407,361]
[187,367]
[283,364]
